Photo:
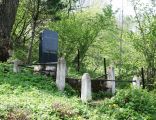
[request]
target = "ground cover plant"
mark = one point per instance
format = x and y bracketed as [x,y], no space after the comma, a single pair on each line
[28,96]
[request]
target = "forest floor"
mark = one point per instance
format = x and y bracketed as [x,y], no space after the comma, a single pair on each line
[28,96]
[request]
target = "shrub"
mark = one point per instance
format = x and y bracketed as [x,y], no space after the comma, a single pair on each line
[130,104]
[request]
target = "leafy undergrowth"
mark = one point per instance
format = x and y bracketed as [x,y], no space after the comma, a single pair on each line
[26,96]
[130,104]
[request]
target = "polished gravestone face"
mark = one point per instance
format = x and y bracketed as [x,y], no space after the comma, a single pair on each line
[48,46]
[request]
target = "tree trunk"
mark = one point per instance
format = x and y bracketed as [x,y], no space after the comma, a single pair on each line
[35,16]
[8,9]
[31,42]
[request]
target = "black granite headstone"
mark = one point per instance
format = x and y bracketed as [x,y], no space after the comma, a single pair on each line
[48,46]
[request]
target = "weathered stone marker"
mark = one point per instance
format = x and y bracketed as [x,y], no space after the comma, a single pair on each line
[50,68]
[86,93]
[16,67]
[136,81]
[61,74]
[111,77]
[38,68]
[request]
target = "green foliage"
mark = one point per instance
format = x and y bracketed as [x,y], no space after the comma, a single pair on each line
[130,104]
[54,6]
[26,93]
[143,37]
[96,35]
[32,96]
[33,13]
[81,31]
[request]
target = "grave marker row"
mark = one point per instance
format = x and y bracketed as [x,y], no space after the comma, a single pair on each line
[86,90]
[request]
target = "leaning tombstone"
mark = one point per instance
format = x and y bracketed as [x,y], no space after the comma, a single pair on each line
[61,74]
[111,80]
[16,66]
[136,81]
[86,93]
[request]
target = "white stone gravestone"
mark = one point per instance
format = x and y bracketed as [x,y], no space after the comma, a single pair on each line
[136,81]
[16,67]
[61,74]
[111,77]
[86,93]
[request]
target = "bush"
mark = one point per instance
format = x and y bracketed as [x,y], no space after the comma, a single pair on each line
[130,104]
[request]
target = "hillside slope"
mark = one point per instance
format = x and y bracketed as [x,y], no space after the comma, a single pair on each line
[28,96]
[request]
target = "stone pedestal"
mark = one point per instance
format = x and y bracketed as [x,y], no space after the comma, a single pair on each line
[38,68]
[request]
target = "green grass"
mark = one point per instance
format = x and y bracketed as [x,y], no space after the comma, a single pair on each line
[28,96]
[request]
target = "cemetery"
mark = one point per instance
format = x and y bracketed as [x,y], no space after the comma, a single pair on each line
[77,60]
[56,67]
